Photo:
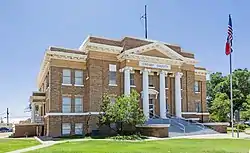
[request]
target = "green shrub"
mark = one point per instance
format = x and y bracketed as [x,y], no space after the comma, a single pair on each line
[242,126]
[129,137]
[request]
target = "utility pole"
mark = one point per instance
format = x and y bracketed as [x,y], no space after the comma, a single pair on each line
[7,116]
[145,22]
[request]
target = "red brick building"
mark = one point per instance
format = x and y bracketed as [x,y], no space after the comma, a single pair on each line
[71,82]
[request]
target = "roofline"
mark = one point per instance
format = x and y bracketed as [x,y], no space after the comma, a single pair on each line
[143,39]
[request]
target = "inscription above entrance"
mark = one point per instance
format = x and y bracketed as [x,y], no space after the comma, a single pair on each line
[155,65]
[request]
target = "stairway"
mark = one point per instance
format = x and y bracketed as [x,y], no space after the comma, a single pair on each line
[182,127]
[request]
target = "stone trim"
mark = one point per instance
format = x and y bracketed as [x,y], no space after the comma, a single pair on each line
[102,48]
[161,48]
[195,113]
[217,123]
[200,72]
[72,114]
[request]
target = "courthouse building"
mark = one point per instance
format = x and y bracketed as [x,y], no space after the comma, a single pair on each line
[71,82]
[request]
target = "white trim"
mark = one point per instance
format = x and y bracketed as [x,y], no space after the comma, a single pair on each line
[161,48]
[194,113]
[78,85]
[158,46]
[216,123]
[157,60]
[113,85]
[194,119]
[200,72]
[83,45]
[65,84]
[102,48]
[72,114]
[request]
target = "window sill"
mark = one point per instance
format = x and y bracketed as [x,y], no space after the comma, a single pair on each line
[133,86]
[66,84]
[150,87]
[113,85]
[197,92]
[78,85]
[166,88]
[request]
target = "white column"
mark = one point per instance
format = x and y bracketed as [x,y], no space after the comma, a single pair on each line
[33,109]
[127,80]
[178,94]
[162,95]
[145,93]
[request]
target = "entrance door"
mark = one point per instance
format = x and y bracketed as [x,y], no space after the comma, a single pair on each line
[151,108]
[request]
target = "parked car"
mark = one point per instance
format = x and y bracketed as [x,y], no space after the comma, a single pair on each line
[5,129]
[247,122]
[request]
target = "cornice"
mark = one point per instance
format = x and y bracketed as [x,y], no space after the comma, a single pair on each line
[161,48]
[57,55]
[102,48]
[152,59]
[200,72]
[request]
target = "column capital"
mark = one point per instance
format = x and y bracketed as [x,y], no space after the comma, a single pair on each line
[180,74]
[126,68]
[163,72]
[145,70]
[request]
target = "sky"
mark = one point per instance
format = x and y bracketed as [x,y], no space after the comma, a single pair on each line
[28,28]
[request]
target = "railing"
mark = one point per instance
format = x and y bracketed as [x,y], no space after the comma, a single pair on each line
[202,126]
[189,121]
[178,125]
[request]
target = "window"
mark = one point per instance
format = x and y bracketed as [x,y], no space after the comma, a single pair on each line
[66,128]
[66,76]
[112,74]
[78,105]
[150,80]
[66,106]
[196,86]
[198,107]
[78,77]
[132,79]
[78,128]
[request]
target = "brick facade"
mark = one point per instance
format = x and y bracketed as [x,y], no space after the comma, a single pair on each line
[96,82]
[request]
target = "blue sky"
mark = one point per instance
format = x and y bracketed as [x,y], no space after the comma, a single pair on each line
[28,27]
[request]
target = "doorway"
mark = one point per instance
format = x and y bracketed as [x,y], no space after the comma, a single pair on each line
[151,108]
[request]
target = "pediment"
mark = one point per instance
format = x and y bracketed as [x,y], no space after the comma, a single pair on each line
[156,49]
[155,53]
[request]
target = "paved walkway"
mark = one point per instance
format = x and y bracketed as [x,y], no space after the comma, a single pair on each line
[45,144]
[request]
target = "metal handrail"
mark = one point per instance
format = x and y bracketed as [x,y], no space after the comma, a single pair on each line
[194,122]
[180,124]
[197,123]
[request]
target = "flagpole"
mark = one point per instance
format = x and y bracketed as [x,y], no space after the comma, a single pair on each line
[231,95]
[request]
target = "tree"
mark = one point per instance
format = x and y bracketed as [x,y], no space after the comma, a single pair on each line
[220,108]
[125,110]
[221,84]
[245,115]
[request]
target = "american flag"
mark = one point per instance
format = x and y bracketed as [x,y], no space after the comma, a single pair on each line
[229,42]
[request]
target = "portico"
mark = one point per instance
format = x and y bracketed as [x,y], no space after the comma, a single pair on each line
[168,63]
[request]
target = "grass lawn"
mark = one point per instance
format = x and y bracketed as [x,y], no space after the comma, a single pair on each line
[166,146]
[14,144]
